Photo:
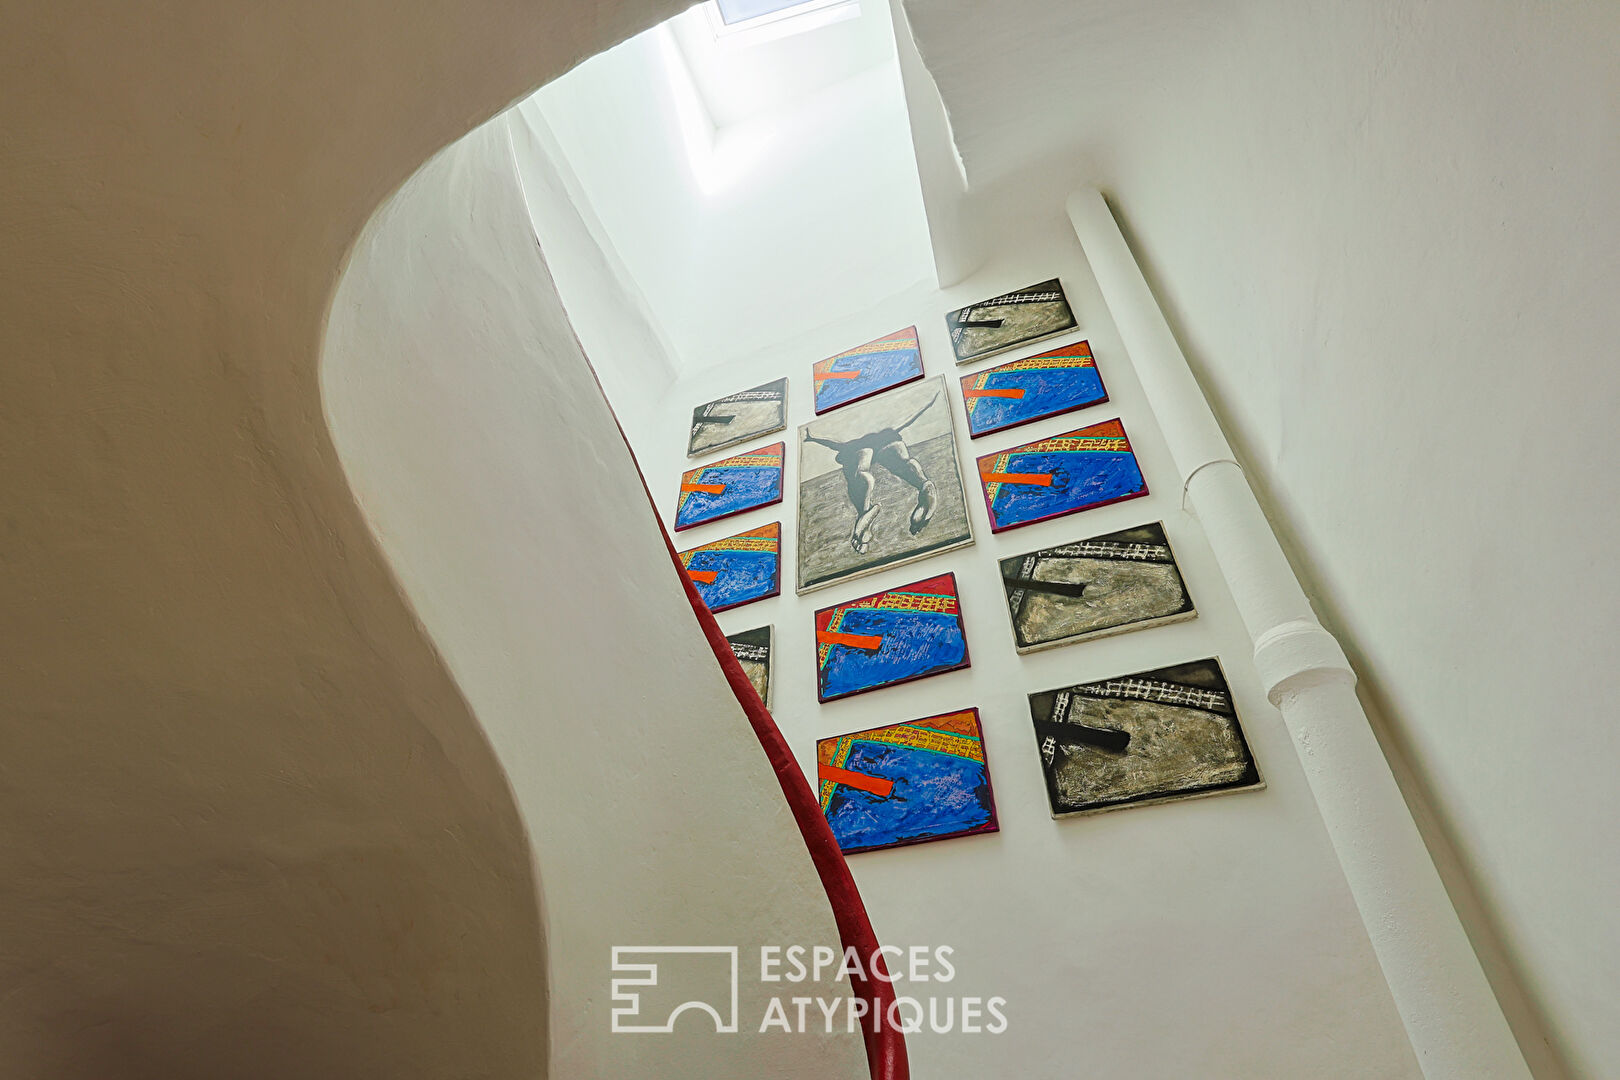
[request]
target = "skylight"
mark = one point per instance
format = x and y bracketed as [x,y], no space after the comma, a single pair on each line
[777,18]
[733,12]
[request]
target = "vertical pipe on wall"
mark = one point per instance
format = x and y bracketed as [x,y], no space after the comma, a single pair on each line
[1451,1016]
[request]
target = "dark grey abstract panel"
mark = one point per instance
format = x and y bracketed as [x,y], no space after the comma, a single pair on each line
[1009,320]
[879,485]
[752,649]
[1107,584]
[1170,733]
[738,417]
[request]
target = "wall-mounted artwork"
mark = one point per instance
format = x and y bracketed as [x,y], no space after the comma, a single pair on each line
[906,783]
[1009,320]
[879,486]
[730,486]
[1126,580]
[752,648]
[867,369]
[1067,473]
[1023,391]
[739,569]
[1171,733]
[738,418]
[889,638]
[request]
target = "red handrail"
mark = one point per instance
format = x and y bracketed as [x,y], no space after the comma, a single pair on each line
[885,1043]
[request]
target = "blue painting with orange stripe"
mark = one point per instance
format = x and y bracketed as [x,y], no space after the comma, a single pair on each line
[1078,470]
[858,373]
[1023,391]
[907,783]
[737,570]
[889,638]
[730,486]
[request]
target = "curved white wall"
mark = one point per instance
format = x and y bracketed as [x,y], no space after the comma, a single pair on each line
[486,460]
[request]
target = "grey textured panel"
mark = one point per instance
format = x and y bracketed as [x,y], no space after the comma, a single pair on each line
[879,443]
[1109,584]
[1171,733]
[742,416]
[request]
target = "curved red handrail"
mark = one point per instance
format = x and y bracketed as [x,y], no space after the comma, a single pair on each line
[885,1043]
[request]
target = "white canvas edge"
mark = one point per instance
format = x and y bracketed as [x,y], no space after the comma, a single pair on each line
[1258,785]
[1093,635]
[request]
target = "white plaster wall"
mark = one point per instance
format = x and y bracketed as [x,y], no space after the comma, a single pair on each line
[485,459]
[618,126]
[605,306]
[1389,236]
[1213,938]
[759,230]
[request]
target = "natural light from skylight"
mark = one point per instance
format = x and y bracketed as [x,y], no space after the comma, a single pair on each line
[747,21]
[733,12]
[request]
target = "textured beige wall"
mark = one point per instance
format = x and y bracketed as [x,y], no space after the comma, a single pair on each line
[248,825]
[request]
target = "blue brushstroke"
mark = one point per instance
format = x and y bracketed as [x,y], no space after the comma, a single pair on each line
[914,643]
[746,488]
[879,371]
[934,795]
[744,576]
[1079,480]
[1046,391]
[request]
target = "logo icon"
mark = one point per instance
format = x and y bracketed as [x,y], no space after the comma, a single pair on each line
[713,968]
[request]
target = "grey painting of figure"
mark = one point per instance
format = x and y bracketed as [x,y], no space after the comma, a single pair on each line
[737,418]
[879,485]
[1107,584]
[1009,320]
[752,648]
[1170,733]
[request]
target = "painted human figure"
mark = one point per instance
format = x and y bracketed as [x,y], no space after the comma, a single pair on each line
[885,447]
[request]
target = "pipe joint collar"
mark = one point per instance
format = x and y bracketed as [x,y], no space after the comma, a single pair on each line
[1296,654]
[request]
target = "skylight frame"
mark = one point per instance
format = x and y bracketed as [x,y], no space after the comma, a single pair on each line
[800,18]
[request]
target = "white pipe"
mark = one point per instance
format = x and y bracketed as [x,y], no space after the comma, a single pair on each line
[1451,1016]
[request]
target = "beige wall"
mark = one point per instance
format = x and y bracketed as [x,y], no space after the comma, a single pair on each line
[248,824]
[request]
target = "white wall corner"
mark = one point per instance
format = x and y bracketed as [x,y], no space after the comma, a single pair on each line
[953,228]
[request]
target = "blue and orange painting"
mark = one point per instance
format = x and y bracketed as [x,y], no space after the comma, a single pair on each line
[730,486]
[889,637]
[906,783]
[739,569]
[867,369]
[1031,389]
[1075,471]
